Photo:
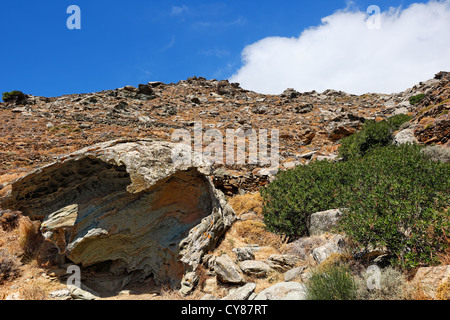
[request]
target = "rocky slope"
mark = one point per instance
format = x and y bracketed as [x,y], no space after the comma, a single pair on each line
[90,165]
[34,130]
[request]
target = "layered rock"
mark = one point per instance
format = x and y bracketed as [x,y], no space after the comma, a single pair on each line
[127,204]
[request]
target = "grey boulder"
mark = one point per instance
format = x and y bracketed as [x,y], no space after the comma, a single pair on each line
[227,271]
[284,291]
[128,203]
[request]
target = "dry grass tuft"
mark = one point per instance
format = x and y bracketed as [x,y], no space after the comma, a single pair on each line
[30,237]
[394,286]
[33,291]
[335,259]
[254,232]
[248,202]
[274,277]
[443,291]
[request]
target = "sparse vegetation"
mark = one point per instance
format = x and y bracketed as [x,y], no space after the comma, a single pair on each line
[393,286]
[247,203]
[334,283]
[9,267]
[373,135]
[437,153]
[30,238]
[9,220]
[416,99]
[13,95]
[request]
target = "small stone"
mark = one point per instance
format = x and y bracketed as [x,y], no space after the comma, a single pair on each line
[293,274]
[282,262]
[284,291]
[255,268]
[242,293]
[244,253]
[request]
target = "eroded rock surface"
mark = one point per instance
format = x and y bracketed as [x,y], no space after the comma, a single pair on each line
[126,204]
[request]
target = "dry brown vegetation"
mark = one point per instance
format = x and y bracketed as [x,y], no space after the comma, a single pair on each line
[247,203]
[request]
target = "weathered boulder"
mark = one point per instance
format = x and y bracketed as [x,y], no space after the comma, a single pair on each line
[282,262]
[242,293]
[61,294]
[255,268]
[244,253]
[227,271]
[82,293]
[284,291]
[336,245]
[405,136]
[321,222]
[304,108]
[126,203]
[290,93]
[210,285]
[295,273]
[430,279]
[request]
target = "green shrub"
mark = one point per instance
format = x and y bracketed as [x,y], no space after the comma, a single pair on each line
[395,122]
[372,135]
[416,99]
[398,200]
[13,95]
[335,283]
[396,197]
[295,194]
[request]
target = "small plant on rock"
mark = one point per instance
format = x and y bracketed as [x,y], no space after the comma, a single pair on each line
[334,283]
[416,99]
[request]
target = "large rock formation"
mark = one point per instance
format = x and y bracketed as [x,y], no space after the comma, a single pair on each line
[126,204]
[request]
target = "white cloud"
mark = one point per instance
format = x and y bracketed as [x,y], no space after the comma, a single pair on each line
[178,10]
[344,54]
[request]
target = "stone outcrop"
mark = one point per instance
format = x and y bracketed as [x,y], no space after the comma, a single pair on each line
[255,268]
[282,262]
[227,271]
[126,204]
[430,280]
[405,136]
[241,293]
[335,245]
[321,222]
[284,291]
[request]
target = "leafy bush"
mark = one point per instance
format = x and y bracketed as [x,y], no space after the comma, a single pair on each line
[398,200]
[396,197]
[416,99]
[335,283]
[395,122]
[373,135]
[13,95]
[295,194]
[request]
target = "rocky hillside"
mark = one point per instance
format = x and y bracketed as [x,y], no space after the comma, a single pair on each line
[34,130]
[86,168]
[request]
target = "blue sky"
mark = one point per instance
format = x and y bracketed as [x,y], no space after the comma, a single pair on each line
[136,41]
